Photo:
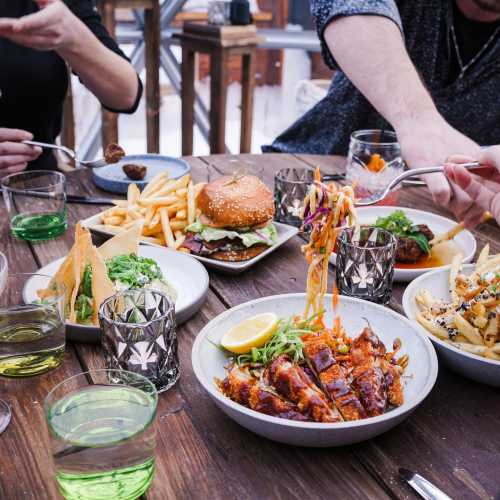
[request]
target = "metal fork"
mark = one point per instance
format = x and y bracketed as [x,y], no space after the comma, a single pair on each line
[405,175]
[70,153]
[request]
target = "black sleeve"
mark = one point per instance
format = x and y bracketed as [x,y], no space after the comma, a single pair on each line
[325,11]
[85,11]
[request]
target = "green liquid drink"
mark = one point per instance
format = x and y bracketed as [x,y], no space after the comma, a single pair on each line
[103,442]
[39,227]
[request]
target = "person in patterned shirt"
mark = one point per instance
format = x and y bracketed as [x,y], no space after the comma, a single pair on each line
[430,69]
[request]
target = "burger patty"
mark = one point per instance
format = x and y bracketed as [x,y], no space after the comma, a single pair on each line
[408,250]
[208,248]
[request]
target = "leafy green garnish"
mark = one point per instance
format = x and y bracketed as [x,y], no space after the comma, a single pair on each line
[286,340]
[84,307]
[400,226]
[86,284]
[133,270]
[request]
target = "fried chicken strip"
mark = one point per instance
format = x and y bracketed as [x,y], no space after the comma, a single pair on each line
[333,379]
[294,384]
[376,379]
[243,388]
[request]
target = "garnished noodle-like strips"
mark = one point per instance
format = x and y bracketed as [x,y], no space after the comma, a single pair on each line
[327,208]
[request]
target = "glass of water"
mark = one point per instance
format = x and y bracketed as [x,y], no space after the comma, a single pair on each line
[374,159]
[290,188]
[36,204]
[103,434]
[365,263]
[32,330]
[139,335]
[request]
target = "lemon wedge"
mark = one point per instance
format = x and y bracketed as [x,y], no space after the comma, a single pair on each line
[251,332]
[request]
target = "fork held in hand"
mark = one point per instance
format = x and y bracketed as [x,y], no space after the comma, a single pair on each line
[410,173]
[70,153]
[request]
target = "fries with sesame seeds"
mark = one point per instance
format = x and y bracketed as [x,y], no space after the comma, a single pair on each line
[470,319]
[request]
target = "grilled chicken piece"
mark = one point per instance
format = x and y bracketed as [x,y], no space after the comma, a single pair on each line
[366,347]
[245,389]
[333,379]
[368,355]
[393,384]
[294,384]
[369,383]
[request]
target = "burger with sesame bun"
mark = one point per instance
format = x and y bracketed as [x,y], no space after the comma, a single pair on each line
[235,221]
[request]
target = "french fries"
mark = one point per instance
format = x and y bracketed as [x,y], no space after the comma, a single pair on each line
[470,320]
[165,206]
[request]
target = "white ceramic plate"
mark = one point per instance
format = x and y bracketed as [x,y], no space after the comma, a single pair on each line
[486,371]
[185,274]
[438,225]
[209,361]
[285,232]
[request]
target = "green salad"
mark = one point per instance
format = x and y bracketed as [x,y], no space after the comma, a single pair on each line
[400,226]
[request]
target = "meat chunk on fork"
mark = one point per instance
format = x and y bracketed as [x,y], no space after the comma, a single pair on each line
[243,388]
[333,379]
[294,384]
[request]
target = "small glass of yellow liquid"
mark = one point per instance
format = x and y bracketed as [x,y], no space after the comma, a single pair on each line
[32,332]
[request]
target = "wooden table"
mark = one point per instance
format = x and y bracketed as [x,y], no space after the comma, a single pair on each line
[452,438]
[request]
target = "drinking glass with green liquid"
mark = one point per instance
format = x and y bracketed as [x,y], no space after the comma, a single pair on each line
[36,204]
[32,331]
[103,434]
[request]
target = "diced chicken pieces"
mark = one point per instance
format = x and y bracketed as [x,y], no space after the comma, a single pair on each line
[369,383]
[242,388]
[333,379]
[366,347]
[292,382]
[393,384]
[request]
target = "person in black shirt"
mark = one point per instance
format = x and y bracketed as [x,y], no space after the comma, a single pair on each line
[430,69]
[38,40]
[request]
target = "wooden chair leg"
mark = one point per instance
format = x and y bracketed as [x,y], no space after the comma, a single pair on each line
[218,100]
[187,99]
[109,120]
[152,39]
[247,96]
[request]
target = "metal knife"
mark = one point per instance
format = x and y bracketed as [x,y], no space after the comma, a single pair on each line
[88,200]
[423,487]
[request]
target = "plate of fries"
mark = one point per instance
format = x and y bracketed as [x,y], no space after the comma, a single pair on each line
[166,207]
[459,308]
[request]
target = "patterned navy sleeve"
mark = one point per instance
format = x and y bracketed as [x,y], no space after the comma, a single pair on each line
[325,11]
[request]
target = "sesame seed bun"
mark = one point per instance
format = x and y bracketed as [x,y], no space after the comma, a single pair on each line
[236,202]
[239,255]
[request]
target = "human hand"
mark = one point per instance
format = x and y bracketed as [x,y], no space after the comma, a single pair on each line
[429,142]
[14,155]
[484,187]
[53,27]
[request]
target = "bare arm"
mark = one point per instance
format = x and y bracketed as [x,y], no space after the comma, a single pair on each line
[371,52]
[110,77]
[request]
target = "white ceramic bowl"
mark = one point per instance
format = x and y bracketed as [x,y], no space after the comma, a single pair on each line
[209,361]
[486,371]
[438,225]
[187,276]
